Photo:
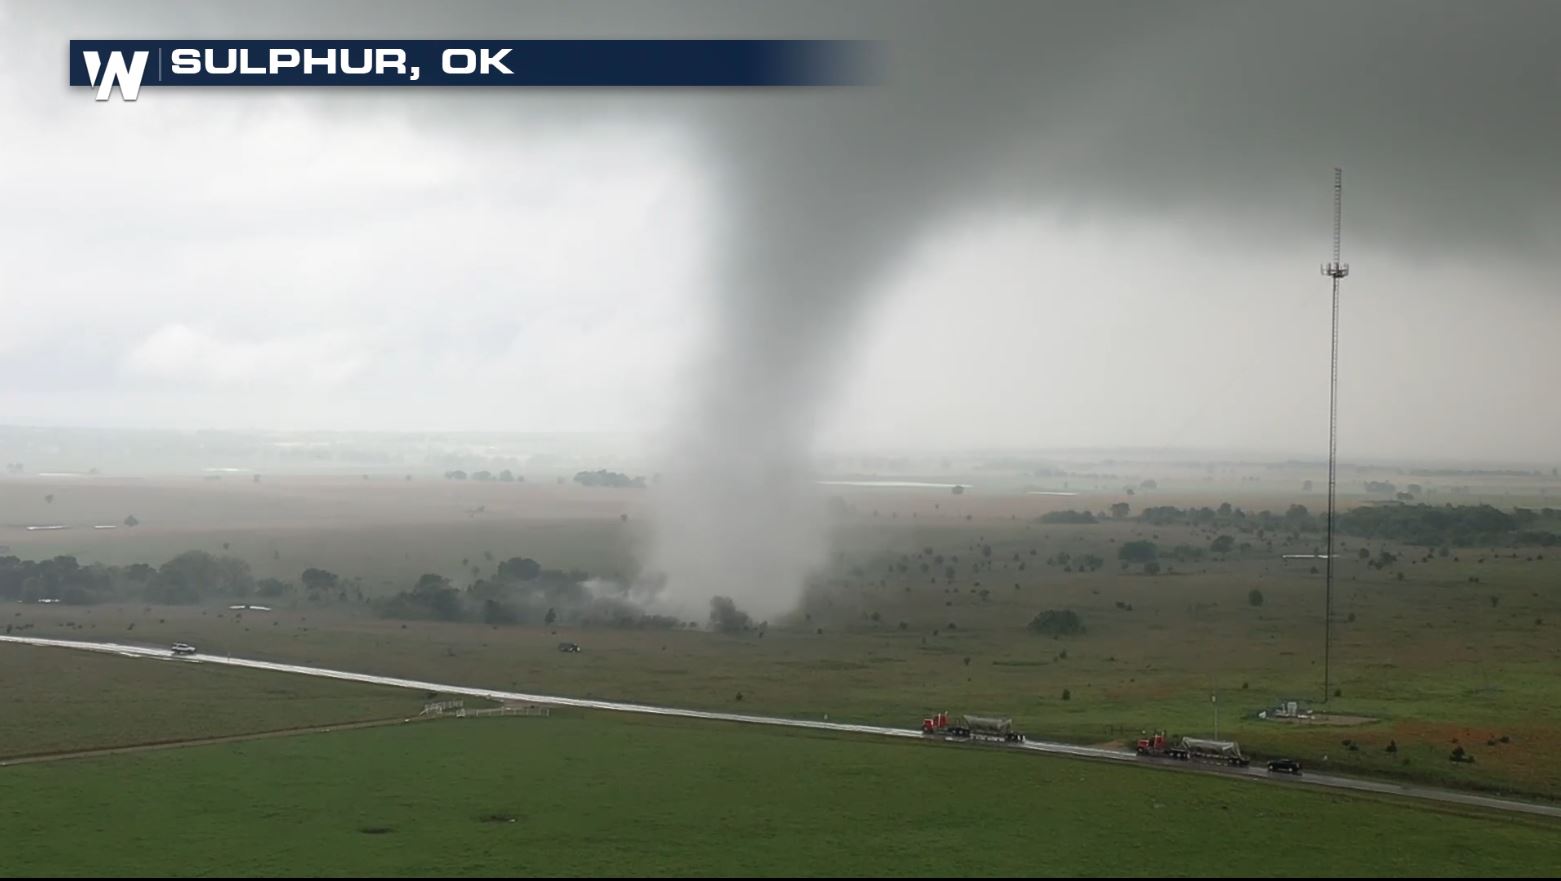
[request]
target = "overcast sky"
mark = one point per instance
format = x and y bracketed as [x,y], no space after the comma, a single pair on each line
[1050,225]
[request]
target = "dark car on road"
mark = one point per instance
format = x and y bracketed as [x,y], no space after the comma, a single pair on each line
[1285,766]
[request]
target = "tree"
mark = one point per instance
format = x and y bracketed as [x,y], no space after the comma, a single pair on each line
[1254,597]
[1363,553]
[272,588]
[1120,510]
[726,617]
[1152,568]
[1069,516]
[1140,551]
[49,498]
[552,615]
[434,593]
[507,476]
[1057,622]
[1306,486]
[193,575]
[318,581]
[959,490]
[132,521]
[1223,544]
[519,569]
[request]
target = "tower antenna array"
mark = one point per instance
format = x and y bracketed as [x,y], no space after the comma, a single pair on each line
[1336,271]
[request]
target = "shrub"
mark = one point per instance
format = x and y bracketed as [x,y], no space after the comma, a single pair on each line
[1057,622]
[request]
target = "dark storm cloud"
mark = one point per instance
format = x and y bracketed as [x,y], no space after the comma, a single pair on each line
[1220,117]
[1443,113]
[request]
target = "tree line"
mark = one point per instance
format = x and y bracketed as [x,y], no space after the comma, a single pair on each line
[190,577]
[1425,525]
[603,477]
[521,591]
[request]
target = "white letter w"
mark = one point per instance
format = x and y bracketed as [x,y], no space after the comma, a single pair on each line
[129,79]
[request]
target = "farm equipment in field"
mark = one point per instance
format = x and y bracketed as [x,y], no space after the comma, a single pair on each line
[971,728]
[1225,752]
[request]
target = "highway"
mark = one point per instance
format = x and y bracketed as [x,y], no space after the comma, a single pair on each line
[1259,773]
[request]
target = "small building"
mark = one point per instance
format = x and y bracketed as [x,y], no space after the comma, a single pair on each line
[1287,709]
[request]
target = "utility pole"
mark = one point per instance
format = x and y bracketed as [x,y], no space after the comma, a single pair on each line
[1336,271]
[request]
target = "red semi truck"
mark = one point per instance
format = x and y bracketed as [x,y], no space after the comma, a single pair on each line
[1226,752]
[971,728]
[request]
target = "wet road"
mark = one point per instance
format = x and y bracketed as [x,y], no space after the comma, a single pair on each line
[1258,773]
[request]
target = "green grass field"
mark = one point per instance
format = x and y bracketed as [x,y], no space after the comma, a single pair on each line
[604,795]
[54,701]
[1432,661]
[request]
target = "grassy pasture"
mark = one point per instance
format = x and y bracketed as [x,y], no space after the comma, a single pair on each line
[55,701]
[1432,659]
[604,795]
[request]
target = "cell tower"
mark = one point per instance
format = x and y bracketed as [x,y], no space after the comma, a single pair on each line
[1336,271]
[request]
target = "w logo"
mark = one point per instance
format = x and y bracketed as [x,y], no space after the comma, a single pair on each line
[116,71]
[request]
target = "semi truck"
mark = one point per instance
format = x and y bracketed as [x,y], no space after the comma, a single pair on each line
[1226,752]
[968,727]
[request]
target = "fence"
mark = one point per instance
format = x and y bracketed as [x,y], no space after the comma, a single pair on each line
[504,711]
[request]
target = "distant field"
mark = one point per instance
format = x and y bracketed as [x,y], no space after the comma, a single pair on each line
[377,530]
[54,701]
[387,530]
[604,795]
